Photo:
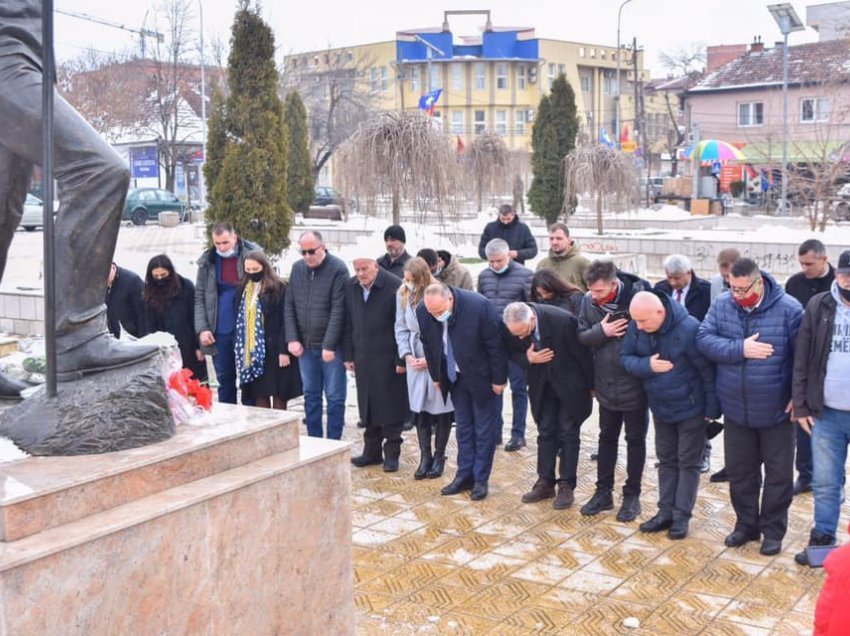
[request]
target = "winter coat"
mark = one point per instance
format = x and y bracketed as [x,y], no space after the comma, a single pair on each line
[570,265]
[315,304]
[394,267]
[177,319]
[125,305]
[571,303]
[752,392]
[804,289]
[206,288]
[698,299]
[370,343]
[454,274]
[517,235]
[421,392]
[513,285]
[811,353]
[832,612]
[687,390]
[718,286]
[476,334]
[615,389]
[569,374]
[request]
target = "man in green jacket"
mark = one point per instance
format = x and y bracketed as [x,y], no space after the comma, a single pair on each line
[565,258]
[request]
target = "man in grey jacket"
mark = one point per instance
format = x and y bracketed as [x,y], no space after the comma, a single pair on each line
[314,314]
[220,269]
[502,283]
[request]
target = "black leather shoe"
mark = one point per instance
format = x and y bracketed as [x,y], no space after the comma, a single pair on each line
[739,538]
[802,486]
[458,485]
[656,524]
[479,491]
[601,500]
[678,530]
[542,489]
[514,444]
[770,547]
[630,509]
[719,477]
[366,460]
[815,539]
[10,389]
[101,353]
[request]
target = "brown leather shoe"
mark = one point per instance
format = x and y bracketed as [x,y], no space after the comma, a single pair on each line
[565,497]
[542,489]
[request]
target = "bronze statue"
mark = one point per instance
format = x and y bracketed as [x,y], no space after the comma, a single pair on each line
[92,185]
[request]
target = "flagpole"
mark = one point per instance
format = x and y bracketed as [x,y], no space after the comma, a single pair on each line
[47,77]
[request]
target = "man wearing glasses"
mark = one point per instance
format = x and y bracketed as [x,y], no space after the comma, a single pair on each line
[750,335]
[314,316]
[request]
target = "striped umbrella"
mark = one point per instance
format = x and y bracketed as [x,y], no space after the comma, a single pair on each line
[710,150]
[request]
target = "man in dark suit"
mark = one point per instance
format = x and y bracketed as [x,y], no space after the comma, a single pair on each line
[544,341]
[462,338]
[124,304]
[369,350]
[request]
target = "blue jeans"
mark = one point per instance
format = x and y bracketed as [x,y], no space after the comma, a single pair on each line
[224,362]
[316,376]
[519,400]
[830,437]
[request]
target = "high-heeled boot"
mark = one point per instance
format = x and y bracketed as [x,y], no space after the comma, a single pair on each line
[424,424]
[441,439]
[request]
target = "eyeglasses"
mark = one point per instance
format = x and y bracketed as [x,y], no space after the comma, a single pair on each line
[740,291]
[310,252]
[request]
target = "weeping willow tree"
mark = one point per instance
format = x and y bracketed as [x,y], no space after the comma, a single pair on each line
[401,155]
[486,165]
[598,170]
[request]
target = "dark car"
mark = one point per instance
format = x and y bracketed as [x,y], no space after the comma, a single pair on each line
[146,203]
[328,196]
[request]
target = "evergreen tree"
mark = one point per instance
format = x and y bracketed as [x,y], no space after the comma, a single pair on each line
[300,180]
[248,179]
[552,137]
[216,141]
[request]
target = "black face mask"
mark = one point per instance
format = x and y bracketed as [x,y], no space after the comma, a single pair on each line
[845,293]
[160,281]
[256,276]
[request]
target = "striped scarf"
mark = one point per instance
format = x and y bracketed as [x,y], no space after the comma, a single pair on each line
[250,343]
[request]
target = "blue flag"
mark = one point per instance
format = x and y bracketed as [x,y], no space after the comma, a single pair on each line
[604,139]
[429,101]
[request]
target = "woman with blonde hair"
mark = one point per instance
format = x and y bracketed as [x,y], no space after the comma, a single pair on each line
[430,412]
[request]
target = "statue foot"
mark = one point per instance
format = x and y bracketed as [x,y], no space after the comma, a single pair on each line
[10,390]
[101,353]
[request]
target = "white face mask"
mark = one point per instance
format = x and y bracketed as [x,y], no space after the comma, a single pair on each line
[228,254]
[410,286]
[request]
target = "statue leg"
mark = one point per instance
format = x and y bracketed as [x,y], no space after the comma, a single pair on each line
[92,185]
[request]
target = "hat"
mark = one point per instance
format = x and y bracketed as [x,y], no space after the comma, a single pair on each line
[396,232]
[844,263]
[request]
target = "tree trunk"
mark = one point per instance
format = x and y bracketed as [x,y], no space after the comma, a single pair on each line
[599,212]
[396,206]
[824,217]
[480,187]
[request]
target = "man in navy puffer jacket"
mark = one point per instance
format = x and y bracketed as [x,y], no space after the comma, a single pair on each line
[750,335]
[660,348]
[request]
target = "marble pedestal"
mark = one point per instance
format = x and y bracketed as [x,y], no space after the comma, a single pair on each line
[235,527]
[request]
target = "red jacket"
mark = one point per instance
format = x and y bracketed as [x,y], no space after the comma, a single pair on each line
[832,614]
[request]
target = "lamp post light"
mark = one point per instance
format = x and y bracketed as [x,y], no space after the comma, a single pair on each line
[788,22]
[617,95]
[201,181]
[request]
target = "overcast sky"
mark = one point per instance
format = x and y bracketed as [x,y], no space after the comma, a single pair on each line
[659,25]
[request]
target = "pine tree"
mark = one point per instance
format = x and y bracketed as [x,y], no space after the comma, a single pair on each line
[300,180]
[216,141]
[552,137]
[247,180]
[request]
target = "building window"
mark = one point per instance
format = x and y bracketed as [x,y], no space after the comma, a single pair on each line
[581,51]
[457,77]
[457,122]
[750,114]
[551,75]
[374,84]
[415,86]
[501,76]
[520,77]
[585,83]
[351,56]
[479,122]
[593,53]
[502,122]
[521,121]
[608,83]
[385,78]
[562,69]
[480,76]
[814,109]
[434,80]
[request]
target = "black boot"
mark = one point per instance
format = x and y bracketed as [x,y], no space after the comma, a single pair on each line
[815,539]
[423,423]
[443,431]
[392,450]
[371,451]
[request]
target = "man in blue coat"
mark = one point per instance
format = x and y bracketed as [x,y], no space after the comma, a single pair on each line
[660,348]
[750,335]
[462,338]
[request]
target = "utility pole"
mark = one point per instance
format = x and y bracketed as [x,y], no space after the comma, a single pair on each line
[640,119]
[635,87]
[202,184]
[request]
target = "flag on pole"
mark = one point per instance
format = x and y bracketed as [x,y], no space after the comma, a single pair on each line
[460,145]
[624,134]
[429,101]
[604,139]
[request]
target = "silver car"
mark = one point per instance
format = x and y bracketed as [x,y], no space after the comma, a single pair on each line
[33,215]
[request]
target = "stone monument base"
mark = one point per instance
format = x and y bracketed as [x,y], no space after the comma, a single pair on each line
[238,526]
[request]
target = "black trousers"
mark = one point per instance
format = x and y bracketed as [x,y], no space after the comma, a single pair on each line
[747,450]
[679,447]
[610,424]
[558,434]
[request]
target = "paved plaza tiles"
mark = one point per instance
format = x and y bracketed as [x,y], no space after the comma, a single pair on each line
[428,564]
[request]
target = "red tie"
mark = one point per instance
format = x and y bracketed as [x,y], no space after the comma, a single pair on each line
[679,296]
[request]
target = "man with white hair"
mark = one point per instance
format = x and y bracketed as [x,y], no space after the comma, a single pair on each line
[543,340]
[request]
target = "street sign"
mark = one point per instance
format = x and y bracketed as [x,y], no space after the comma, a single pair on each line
[144,162]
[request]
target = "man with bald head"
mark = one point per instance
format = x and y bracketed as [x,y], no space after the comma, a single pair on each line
[660,349]
[314,315]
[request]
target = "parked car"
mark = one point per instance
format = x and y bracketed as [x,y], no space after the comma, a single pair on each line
[328,196]
[33,215]
[841,206]
[655,186]
[146,203]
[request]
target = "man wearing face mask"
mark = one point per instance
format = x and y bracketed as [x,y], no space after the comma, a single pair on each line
[220,269]
[750,335]
[822,401]
[508,227]
[462,339]
[502,283]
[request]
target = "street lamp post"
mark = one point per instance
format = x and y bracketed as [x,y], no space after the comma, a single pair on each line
[788,22]
[201,181]
[617,95]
